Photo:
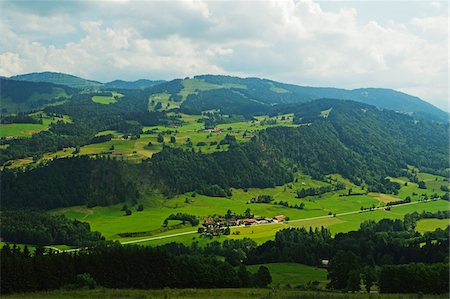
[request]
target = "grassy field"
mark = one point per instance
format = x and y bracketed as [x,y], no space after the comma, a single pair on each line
[138,149]
[207,293]
[190,86]
[26,130]
[293,274]
[111,222]
[428,225]
[106,100]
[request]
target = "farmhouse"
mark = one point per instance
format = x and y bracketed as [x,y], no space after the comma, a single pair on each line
[249,221]
[215,130]
[279,218]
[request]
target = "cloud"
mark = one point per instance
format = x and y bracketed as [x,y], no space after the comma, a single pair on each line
[293,41]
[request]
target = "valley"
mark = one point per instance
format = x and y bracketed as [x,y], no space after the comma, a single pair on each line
[244,173]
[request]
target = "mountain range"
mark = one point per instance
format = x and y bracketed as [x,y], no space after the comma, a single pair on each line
[229,94]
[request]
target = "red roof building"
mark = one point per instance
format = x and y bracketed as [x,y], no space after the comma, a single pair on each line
[280,217]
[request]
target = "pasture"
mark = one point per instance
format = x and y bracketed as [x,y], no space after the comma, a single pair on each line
[134,150]
[18,130]
[293,274]
[429,225]
[111,222]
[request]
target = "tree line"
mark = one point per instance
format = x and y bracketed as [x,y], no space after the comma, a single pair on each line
[121,267]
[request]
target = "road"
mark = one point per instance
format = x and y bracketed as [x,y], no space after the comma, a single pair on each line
[290,221]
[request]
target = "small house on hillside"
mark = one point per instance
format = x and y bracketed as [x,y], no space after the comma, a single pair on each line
[279,218]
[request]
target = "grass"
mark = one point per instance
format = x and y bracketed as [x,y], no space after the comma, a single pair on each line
[293,274]
[429,225]
[111,222]
[205,293]
[106,100]
[26,130]
[136,150]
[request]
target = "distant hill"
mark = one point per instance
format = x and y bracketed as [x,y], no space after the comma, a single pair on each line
[247,96]
[139,84]
[59,78]
[20,96]
[268,92]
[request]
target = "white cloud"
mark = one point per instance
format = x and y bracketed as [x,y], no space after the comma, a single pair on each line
[10,64]
[293,41]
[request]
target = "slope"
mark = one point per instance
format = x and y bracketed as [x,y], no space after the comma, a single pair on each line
[59,78]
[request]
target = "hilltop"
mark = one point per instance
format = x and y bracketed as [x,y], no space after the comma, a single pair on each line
[235,95]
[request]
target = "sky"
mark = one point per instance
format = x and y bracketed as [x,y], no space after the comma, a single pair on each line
[402,45]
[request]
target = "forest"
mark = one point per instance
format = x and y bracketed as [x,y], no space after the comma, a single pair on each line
[382,253]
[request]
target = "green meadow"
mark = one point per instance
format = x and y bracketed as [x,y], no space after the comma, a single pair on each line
[135,150]
[293,274]
[106,100]
[111,222]
[429,225]
[26,130]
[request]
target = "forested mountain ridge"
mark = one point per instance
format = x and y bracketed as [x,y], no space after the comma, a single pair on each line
[81,83]
[359,141]
[245,96]
[138,84]
[270,92]
[21,96]
[59,78]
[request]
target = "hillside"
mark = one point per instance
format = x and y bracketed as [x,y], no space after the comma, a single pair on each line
[59,78]
[233,95]
[358,141]
[21,96]
[138,84]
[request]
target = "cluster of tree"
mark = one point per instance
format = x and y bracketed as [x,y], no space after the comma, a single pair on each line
[20,118]
[101,138]
[40,228]
[212,119]
[183,217]
[302,193]
[229,101]
[414,278]
[121,267]
[214,191]
[68,182]
[286,204]
[399,202]
[264,198]
[358,255]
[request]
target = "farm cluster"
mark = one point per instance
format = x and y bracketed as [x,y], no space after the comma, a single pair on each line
[215,226]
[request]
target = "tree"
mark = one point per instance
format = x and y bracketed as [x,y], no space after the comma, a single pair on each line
[172,139]
[160,138]
[85,280]
[140,208]
[422,185]
[354,280]
[128,212]
[244,276]
[111,148]
[262,277]
[368,277]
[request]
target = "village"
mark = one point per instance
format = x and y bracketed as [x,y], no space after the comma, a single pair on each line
[215,226]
